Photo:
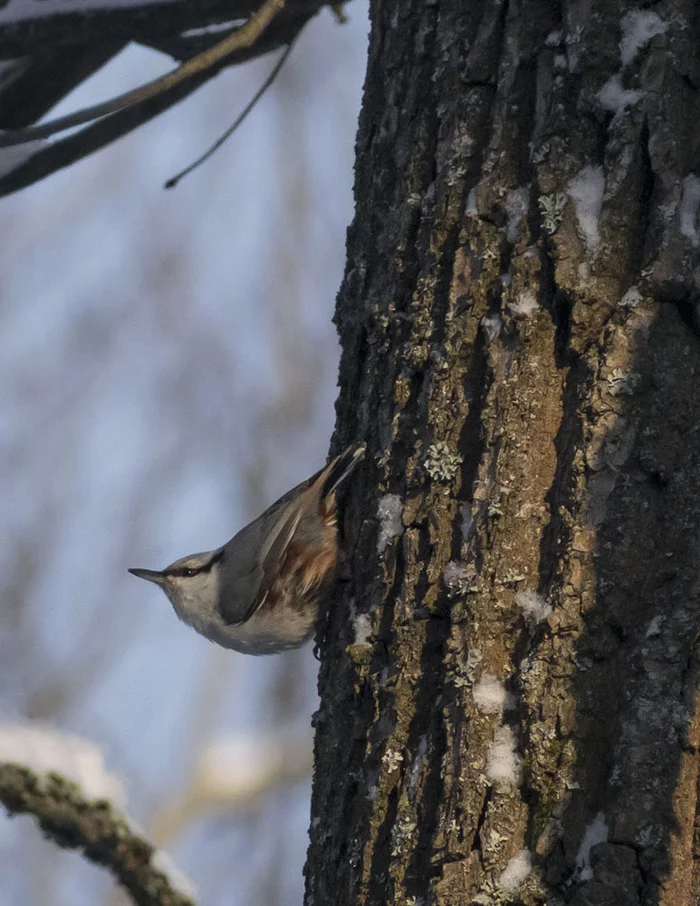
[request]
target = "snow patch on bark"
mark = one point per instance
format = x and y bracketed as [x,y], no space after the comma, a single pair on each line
[596,832]
[614,97]
[524,305]
[491,326]
[533,605]
[516,208]
[639,26]
[389,511]
[586,190]
[503,764]
[516,871]
[362,624]
[490,695]
[690,209]
[631,298]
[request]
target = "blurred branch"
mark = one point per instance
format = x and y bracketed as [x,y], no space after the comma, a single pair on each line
[57,155]
[91,826]
[30,87]
[234,776]
[40,31]
[245,36]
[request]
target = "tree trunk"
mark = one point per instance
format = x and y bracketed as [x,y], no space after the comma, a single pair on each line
[508,677]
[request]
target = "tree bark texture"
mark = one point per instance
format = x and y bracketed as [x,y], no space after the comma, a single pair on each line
[508,679]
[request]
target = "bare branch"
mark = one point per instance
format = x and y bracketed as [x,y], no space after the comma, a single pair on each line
[59,154]
[91,826]
[244,36]
[147,22]
[171,183]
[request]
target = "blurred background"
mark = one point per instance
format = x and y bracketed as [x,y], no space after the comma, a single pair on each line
[167,369]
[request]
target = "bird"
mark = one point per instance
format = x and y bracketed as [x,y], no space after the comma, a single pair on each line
[260,593]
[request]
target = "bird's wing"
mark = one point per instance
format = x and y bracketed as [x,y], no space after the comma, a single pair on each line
[270,535]
[275,546]
[275,532]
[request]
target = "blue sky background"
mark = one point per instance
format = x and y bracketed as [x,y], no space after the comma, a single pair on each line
[167,369]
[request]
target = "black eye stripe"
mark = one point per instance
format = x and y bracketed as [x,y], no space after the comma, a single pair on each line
[184,571]
[189,571]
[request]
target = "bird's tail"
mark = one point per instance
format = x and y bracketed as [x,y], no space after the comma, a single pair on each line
[338,470]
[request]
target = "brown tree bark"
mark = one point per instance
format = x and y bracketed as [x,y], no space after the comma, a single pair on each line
[508,679]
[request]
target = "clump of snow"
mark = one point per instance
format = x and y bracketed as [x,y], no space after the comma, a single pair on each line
[362,625]
[417,765]
[46,750]
[690,209]
[491,325]
[471,210]
[212,29]
[457,577]
[490,695]
[613,96]
[654,627]
[389,510]
[516,871]
[524,305]
[631,298]
[639,26]
[596,832]
[162,862]
[503,764]
[467,521]
[586,189]
[533,605]
[516,208]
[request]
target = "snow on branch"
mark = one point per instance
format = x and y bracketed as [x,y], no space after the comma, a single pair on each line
[92,826]
[27,27]
[45,749]
[62,781]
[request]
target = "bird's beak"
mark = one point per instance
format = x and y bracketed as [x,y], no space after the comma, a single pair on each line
[151,575]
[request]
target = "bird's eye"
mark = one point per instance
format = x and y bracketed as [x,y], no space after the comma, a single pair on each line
[190,572]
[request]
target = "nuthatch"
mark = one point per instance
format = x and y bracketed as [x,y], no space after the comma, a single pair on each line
[261,592]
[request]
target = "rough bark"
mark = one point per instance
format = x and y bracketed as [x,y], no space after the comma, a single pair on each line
[509,675]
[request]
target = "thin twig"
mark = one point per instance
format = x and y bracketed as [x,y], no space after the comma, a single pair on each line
[244,36]
[92,826]
[171,183]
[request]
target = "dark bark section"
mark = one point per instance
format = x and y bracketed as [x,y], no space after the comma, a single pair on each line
[93,828]
[518,321]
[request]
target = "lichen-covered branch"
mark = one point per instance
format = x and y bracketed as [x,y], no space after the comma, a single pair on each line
[93,827]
